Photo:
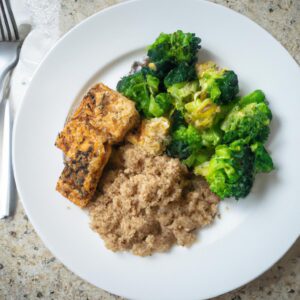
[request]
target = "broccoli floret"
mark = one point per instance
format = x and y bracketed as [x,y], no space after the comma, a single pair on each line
[135,87]
[160,104]
[201,113]
[230,171]
[174,48]
[185,141]
[183,92]
[179,149]
[249,119]
[263,162]
[160,69]
[255,97]
[189,144]
[182,73]
[177,120]
[189,134]
[184,138]
[220,85]
[198,157]
[211,137]
[153,83]
[224,111]
[143,88]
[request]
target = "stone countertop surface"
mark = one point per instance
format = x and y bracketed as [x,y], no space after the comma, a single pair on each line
[29,271]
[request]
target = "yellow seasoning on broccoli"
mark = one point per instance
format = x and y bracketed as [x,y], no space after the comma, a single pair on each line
[201,113]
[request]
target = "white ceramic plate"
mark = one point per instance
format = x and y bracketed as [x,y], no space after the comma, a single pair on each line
[251,235]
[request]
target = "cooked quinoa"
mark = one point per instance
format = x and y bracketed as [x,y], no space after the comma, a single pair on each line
[148,203]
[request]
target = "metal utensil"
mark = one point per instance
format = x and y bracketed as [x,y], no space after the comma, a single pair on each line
[9,54]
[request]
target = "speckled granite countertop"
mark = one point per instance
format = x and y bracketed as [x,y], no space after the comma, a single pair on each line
[27,268]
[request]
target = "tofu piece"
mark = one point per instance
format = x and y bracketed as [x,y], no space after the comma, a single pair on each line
[152,135]
[112,114]
[79,179]
[77,136]
[103,118]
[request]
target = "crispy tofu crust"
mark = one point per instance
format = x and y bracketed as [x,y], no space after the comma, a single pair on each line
[112,114]
[103,118]
[79,179]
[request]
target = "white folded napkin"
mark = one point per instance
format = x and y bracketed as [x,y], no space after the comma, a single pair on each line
[43,16]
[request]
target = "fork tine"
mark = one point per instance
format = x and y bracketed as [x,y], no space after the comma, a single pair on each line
[12,19]
[2,30]
[5,20]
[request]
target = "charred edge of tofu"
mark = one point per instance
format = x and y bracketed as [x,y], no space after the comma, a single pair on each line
[79,179]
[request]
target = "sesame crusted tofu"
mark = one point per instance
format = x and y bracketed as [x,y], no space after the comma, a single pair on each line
[103,118]
[152,135]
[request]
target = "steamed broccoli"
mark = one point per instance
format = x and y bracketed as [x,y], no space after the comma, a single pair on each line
[249,119]
[183,92]
[143,88]
[185,141]
[201,113]
[189,144]
[263,162]
[185,138]
[211,137]
[160,104]
[182,73]
[230,171]
[173,56]
[174,48]
[135,87]
[220,85]
[198,157]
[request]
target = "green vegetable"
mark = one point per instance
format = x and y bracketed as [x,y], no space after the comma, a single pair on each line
[189,134]
[230,171]
[153,84]
[201,113]
[211,137]
[183,92]
[177,120]
[182,73]
[189,144]
[220,85]
[174,48]
[197,158]
[185,141]
[136,88]
[249,119]
[263,162]
[143,88]
[160,104]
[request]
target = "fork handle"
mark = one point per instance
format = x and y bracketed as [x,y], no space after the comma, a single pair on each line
[6,183]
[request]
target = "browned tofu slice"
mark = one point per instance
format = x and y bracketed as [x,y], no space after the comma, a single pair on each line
[112,114]
[79,179]
[103,118]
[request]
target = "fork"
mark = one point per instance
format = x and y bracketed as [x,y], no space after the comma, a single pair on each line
[9,54]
